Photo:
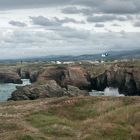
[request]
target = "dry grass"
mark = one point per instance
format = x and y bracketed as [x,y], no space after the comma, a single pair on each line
[88,118]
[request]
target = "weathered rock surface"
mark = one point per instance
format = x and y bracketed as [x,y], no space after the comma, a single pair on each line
[45,89]
[124,77]
[38,90]
[74,91]
[23,73]
[10,77]
[33,76]
[64,76]
[28,74]
[55,81]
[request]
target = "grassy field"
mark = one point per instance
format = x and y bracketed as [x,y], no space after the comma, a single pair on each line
[81,118]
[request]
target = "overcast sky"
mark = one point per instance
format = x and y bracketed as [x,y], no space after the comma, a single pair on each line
[67,27]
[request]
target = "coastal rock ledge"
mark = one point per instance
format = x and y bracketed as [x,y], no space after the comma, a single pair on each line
[10,77]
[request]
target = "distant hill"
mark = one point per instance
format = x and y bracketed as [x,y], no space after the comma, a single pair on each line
[112,55]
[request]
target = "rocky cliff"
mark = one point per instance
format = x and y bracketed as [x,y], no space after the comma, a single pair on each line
[10,77]
[75,76]
[55,82]
[125,77]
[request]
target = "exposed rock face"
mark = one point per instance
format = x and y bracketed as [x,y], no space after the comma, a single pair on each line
[75,81]
[10,77]
[99,83]
[23,73]
[76,76]
[33,76]
[124,77]
[28,74]
[54,82]
[74,91]
[45,89]
[64,76]
[38,90]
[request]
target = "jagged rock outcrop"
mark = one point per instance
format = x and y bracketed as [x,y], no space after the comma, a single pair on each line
[10,77]
[72,91]
[33,76]
[124,77]
[45,89]
[64,76]
[23,73]
[38,90]
[99,83]
[55,82]
[27,73]
[75,76]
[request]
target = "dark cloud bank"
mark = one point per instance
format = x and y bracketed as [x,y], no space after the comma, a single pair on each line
[104,6]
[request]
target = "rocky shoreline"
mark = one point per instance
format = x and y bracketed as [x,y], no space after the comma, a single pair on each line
[76,80]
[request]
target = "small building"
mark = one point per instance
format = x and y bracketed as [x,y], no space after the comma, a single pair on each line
[58,62]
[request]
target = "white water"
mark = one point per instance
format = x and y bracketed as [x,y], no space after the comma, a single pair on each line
[7,89]
[107,92]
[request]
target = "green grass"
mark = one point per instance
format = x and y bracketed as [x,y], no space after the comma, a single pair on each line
[79,118]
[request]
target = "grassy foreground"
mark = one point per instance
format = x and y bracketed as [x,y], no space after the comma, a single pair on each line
[81,118]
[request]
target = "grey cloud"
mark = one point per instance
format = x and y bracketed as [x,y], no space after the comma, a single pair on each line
[120,6]
[17,23]
[137,24]
[69,33]
[114,6]
[67,20]
[44,21]
[104,6]
[105,18]
[110,6]
[22,4]
[75,10]
[115,24]
[99,25]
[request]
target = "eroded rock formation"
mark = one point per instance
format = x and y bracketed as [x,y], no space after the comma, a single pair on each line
[124,77]
[10,77]
[56,81]
[45,89]
[75,76]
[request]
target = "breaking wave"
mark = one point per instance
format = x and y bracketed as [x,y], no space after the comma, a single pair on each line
[109,91]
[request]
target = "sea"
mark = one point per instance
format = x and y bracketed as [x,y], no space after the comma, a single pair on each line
[7,89]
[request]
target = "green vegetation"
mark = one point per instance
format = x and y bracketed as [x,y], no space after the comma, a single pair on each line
[81,118]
